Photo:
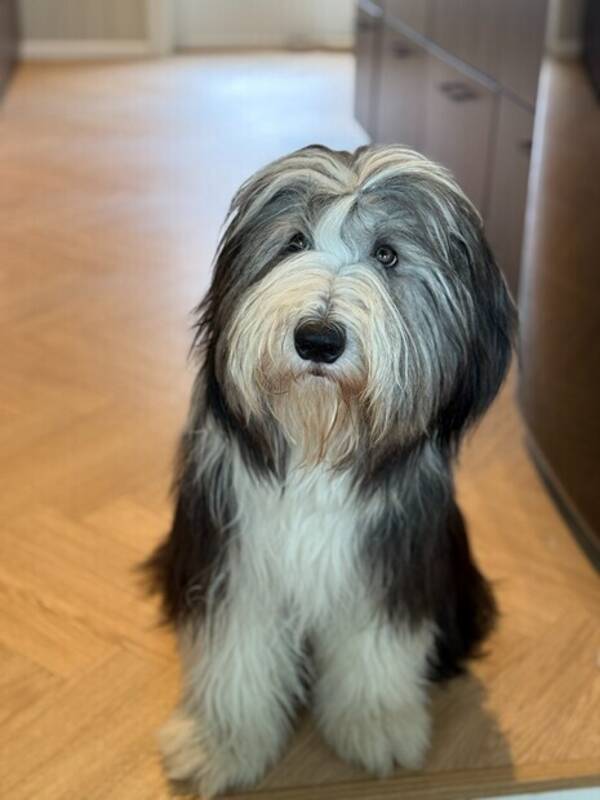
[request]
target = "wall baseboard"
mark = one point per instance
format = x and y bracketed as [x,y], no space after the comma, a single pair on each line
[268,41]
[106,49]
[82,49]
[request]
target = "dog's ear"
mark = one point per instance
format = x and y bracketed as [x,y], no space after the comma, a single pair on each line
[491,331]
[183,568]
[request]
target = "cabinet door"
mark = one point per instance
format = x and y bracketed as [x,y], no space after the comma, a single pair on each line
[523,32]
[508,193]
[400,103]
[367,36]
[470,30]
[413,13]
[458,129]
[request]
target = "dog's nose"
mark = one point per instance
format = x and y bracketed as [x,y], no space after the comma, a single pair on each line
[322,342]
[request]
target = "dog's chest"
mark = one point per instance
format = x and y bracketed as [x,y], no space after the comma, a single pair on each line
[299,543]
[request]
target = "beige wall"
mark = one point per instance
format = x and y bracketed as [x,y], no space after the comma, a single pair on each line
[109,28]
[222,23]
[83,19]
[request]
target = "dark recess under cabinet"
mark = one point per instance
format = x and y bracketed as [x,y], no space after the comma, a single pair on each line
[9,41]
[457,80]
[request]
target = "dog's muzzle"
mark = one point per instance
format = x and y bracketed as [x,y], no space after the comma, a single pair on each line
[318,341]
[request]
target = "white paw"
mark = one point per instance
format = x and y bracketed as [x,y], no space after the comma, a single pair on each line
[192,757]
[379,741]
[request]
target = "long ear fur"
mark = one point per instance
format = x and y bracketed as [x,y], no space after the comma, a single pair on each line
[492,333]
[187,568]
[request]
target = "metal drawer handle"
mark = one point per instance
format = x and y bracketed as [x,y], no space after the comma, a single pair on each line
[525,146]
[401,50]
[366,25]
[449,86]
[458,92]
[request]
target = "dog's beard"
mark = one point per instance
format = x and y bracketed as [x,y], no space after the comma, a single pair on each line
[319,417]
[325,412]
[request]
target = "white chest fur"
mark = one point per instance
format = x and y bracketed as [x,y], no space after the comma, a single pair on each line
[297,545]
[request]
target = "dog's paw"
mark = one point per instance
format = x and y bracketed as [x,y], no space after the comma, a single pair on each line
[380,741]
[192,758]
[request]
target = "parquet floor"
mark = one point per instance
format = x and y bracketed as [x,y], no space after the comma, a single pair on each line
[114,180]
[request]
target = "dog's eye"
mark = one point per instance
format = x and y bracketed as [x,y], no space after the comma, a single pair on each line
[386,255]
[297,243]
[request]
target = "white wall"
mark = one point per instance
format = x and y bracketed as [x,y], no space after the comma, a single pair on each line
[269,23]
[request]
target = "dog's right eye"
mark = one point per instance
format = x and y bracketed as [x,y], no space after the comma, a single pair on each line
[297,243]
[386,255]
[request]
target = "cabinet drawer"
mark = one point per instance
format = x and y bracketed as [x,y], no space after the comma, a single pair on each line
[502,38]
[458,130]
[523,32]
[366,48]
[469,30]
[400,108]
[413,13]
[508,191]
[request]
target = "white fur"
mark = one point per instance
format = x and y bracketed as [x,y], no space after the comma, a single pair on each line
[294,576]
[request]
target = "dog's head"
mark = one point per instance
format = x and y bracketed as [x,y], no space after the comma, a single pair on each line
[354,305]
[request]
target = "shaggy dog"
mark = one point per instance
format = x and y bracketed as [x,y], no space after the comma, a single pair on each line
[356,326]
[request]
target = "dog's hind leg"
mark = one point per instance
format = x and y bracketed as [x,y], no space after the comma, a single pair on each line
[371,698]
[242,682]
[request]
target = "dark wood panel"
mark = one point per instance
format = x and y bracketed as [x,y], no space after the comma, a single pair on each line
[9,40]
[400,106]
[367,49]
[508,194]
[560,295]
[460,114]
[413,13]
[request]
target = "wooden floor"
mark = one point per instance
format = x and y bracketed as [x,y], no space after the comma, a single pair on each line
[114,181]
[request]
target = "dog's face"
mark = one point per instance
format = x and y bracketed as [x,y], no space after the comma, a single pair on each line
[355,302]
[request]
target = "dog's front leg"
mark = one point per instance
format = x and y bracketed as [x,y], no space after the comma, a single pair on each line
[241,683]
[371,693]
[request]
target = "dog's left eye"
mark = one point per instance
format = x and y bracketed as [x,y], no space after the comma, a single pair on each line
[297,243]
[386,255]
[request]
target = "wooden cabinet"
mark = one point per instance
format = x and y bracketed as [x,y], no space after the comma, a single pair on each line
[460,113]
[367,45]
[523,27]
[560,304]
[414,13]
[508,192]
[400,107]
[457,79]
[469,29]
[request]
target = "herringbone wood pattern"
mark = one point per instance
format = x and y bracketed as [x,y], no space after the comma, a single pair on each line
[114,181]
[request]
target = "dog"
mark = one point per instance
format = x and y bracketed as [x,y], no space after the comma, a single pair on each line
[355,328]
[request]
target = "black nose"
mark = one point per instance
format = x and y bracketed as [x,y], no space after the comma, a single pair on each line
[323,342]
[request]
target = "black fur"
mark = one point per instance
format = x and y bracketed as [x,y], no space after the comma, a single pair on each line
[183,567]
[417,552]
[418,557]
[492,339]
